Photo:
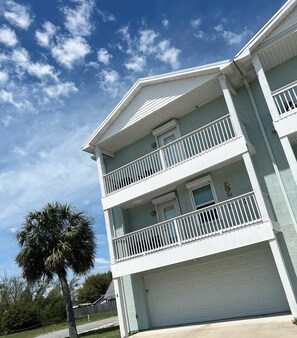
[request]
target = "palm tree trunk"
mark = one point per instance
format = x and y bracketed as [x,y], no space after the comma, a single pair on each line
[69,308]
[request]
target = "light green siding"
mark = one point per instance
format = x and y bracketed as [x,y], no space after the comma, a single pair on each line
[136,303]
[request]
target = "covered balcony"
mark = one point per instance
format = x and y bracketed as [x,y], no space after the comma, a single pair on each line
[223,226]
[285,99]
[203,148]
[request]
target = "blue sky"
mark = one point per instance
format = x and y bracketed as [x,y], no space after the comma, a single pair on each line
[63,67]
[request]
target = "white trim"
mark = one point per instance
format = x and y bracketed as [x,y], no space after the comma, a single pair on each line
[287,147]
[165,127]
[164,198]
[199,182]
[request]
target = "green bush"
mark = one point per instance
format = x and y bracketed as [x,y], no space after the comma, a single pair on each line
[20,316]
[54,312]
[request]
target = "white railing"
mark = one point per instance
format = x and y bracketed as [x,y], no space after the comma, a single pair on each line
[286,98]
[216,219]
[186,147]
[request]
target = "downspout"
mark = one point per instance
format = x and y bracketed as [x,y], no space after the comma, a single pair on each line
[267,144]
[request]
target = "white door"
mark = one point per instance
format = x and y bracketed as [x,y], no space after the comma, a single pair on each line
[239,285]
[171,154]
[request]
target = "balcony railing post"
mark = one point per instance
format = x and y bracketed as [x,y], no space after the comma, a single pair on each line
[162,158]
[177,231]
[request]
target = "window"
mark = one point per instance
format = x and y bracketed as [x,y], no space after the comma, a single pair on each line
[203,195]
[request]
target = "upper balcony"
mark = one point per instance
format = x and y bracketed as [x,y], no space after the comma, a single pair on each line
[285,99]
[223,226]
[199,150]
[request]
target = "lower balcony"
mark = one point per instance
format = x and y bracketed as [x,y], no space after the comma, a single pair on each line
[224,226]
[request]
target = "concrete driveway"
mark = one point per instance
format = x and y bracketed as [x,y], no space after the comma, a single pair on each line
[264,327]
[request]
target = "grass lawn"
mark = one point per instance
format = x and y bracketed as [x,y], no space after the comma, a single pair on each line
[52,328]
[110,332]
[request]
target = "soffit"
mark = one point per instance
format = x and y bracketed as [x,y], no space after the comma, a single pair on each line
[171,108]
[153,98]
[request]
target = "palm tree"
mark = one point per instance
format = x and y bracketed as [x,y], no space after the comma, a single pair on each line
[53,240]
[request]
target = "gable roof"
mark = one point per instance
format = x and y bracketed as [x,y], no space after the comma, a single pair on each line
[272,29]
[145,97]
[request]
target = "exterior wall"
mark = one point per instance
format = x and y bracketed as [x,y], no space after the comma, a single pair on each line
[140,216]
[282,75]
[264,167]
[203,115]
[294,147]
[136,303]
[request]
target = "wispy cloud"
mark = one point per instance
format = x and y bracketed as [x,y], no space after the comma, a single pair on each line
[6,120]
[60,89]
[103,56]
[17,15]
[109,82]
[7,97]
[3,77]
[8,36]
[77,20]
[44,37]
[195,23]
[147,44]
[70,51]
[106,16]
[136,64]
[100,260]
[165,23]
[233,38]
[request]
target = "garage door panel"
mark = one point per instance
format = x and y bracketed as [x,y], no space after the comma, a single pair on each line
[240,285]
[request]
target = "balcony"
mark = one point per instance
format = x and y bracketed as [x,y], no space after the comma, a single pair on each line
[285,99]
[217,228]
[187,147]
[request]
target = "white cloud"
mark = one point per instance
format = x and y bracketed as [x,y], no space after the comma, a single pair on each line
[106,16]
[60,89]
[18,15]
[168,54]
[41,70]
[147,41]
[6,120]
[136,64]
[7,97]
[45,37]
[234,39]
[195,23]
[109,82]
[103,56]
[77,20]
[8,36]
[69,51]
[165,23]
[20,151]
[100,260]
[21,58]
[219,28]
[3,76]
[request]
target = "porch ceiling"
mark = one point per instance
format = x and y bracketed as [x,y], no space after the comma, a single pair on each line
[177,108]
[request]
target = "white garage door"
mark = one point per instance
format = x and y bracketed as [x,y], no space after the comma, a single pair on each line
[240,285]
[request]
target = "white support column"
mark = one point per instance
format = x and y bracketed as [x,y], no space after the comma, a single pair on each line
[255,185]
[265,87]
[283,273]
[109,233]
[120,300]
[101,169]
[290,156]
[230,104]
